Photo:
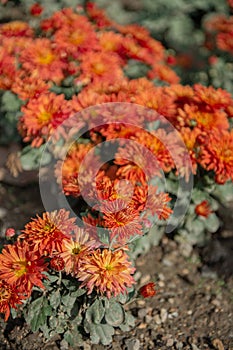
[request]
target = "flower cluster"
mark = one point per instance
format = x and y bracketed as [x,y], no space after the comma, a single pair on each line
[219,32]
[92,49]
[54,242]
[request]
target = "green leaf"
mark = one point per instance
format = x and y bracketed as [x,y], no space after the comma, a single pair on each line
[114,314]
[38,311]
[31,158]
[212,223]
[95,312]
[10,102]
[128,323]
[55,299]
[68,301]
[101,333]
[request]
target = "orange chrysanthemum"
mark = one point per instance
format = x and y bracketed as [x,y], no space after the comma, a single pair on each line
[75,250]
[101,66]
[22,267]
[217,155]
[75,176]
[41,116]
[48,232]
[41,61]
[122,220]
[203,209]
[206,120]
[214,98]
[16,29]
[9,298]
[28,87]
[107,272]
[78,37]
[7,69]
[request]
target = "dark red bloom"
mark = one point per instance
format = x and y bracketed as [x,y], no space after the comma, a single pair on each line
[57,263]
[36,9]
[148,290]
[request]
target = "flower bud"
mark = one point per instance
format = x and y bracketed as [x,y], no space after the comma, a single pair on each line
[10,232]
[57,263]
[148,290]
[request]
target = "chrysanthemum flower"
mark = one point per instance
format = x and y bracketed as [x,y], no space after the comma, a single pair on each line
[75,250]
[78,37]
[225,41]
[217,155]
[9,298]
[16,28]
[121,219]
[48,232]
[214,98]
[163,72]
[41,116]
[27,87]
[107,272]
[101,66]
[207,120]
[42,61]
[203,209]
[76,172]
[7,69]
[22,267]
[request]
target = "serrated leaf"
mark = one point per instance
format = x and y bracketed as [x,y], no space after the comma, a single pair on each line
[95,312]
[38,311]
[114,314]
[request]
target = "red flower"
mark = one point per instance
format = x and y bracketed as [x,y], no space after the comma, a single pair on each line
[10,232]
[57,263]
[148,290]
[203,209]
[36,9]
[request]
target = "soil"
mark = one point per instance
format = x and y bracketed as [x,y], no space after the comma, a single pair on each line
[192,309]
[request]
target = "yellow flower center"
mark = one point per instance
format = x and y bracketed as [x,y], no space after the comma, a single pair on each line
[20,268]
[45,57]
[98,68]
[44,117]
[76,250]
[108,267]
[76,38]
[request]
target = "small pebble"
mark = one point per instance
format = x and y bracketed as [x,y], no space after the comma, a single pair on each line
[145,279]
[179,345]
[163,315]
[170,342]
[3,213]
[137,275]
[167,262]
[161,277]
[157,319]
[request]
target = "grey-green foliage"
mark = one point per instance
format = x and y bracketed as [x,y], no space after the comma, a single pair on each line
[9,114]
[64,308]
